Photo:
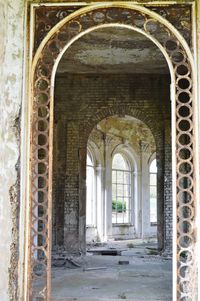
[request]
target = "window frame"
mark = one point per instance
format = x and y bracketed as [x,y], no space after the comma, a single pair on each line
[150,185]
[130,185]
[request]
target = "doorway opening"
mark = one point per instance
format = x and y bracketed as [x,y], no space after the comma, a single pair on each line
[121,179]
[70,237]
[102,179]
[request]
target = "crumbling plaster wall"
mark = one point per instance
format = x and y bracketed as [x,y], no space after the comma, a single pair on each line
[11,68]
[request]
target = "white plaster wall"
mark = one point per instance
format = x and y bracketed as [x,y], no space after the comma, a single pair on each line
[11,64]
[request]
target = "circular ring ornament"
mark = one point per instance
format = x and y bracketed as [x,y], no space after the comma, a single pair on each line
[184,110]
[171,45]
[99,17]
[185,168]
[185,182]
[186,211]
[185,227]
[185,197]
[184,125]
[185,153]
[74,27]
[184,83]
[184,139]
[184,97]
[178,56]
[151,26]
[185,241]
[182,70]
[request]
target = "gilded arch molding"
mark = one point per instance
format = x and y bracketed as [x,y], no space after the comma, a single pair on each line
[181,65]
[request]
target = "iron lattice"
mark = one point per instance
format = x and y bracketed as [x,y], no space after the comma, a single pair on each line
[41,144]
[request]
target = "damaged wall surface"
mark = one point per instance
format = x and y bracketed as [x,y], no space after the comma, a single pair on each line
[11,70]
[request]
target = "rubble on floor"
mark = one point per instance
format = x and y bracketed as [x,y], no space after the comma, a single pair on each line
[102,278]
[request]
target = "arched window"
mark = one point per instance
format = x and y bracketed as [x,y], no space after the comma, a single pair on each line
[121,190]
[90,196]
[153,192]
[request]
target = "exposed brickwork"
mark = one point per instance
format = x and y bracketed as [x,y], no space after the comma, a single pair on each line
[81,101]
[168,207]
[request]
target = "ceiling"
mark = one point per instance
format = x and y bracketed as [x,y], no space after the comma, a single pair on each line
[113,50]
[129,130]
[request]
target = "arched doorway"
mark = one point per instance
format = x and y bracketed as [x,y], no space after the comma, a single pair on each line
[123,189]
[180,63]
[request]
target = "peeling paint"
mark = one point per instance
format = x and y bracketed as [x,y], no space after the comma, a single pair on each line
[11,61]
[17,54]
[14,193]
[13,276]
[12,78]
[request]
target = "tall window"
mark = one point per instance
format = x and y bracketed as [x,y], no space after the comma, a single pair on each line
[121,190]
[153,192]
[90,196]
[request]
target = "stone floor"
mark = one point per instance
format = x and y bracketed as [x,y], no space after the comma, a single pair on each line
[147,277]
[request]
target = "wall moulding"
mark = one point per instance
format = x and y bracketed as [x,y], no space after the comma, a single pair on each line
[50,42]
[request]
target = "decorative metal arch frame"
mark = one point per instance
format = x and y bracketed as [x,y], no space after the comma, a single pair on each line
[183,86]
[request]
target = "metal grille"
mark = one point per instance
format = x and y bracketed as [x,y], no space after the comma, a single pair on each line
[46,17]
[156,28]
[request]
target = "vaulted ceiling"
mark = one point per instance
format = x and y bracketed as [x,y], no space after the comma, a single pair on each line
[113,50]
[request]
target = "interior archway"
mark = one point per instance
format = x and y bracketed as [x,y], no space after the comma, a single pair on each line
[172,46]
[123,137]
[84,84]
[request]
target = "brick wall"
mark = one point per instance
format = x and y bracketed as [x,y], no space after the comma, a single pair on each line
[81,101]
[168,206]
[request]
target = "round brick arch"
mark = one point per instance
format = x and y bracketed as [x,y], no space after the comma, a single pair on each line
[120,110]
[157,132]
[181,65]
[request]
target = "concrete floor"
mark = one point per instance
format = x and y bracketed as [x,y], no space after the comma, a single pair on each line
[148,277]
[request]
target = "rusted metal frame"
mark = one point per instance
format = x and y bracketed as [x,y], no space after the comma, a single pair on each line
[50,15]
[42,87]
[196,39]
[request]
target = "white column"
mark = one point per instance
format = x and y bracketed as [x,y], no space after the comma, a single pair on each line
[144,191]
[100,201]
[136,201]
[108,188]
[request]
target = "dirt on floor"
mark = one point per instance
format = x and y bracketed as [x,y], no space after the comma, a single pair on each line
[140,273]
